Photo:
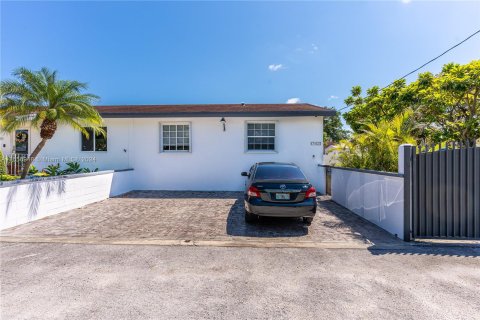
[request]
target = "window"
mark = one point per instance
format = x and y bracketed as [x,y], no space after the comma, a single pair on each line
[261,136]
[95,142]
[21,141]
[176,137]
[278,172]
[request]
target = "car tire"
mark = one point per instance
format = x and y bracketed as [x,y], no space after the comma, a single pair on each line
[308,220]
[250,217]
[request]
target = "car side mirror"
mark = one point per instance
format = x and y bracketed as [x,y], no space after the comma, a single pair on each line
[245,174]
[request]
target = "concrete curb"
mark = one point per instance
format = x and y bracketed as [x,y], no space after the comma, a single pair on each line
[250,243]
[200,243]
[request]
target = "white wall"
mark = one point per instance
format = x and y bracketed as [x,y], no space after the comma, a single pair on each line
[218,156]
[5,143]
[122,182]
[65,146]
[377,198]
[28,201]
[216,159]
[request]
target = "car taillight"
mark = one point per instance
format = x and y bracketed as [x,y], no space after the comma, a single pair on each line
[253,192]
[311,193]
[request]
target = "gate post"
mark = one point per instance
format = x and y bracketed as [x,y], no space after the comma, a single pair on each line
[405,153]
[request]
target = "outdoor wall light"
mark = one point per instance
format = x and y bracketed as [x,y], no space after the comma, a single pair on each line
[223,121]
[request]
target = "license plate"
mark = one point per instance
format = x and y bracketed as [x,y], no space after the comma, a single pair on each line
[282,196]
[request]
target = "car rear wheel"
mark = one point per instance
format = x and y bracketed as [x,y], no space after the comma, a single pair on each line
[308,220]
[250,217]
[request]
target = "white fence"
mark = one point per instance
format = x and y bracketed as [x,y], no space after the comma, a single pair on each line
[375,196]
[29,200]
[122,182]
[14,163]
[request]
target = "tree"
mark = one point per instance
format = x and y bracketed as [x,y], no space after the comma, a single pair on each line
[40,99]
[448,105]
[333,129]
[445,106]
[376,147]
[377,105]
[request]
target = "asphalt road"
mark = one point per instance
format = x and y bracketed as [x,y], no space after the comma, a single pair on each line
[74,281]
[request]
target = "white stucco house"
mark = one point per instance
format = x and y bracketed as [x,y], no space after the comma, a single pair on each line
[188,147]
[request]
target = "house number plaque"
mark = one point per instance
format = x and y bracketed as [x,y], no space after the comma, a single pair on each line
[315,143]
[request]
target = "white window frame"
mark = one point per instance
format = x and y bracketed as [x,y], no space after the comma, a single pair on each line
[176,123]
[275,150]
[94,141]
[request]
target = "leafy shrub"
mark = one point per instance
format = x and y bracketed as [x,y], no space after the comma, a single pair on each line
[7,177]
[73,167]
[3,165]
[376,148]
[40,174]
[53,170]
[33,170]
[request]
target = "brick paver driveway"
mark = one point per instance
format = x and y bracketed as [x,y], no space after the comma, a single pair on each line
[194,216]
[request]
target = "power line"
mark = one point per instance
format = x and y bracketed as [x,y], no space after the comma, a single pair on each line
[443,53]
[430,61]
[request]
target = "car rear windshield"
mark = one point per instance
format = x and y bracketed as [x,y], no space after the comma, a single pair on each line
[266,172]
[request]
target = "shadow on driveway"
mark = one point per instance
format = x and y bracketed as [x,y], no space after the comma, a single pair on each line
[414,249]
[265,227]
[332,223]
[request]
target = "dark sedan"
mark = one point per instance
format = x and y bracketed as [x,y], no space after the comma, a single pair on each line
[278,189]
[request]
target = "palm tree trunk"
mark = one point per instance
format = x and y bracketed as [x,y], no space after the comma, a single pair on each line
[26,165]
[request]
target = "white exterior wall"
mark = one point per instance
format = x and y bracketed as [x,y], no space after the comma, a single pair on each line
[377,198]
[5,143]
[218,156]
[65,146]
[216,159]
[122,182]
[28,201]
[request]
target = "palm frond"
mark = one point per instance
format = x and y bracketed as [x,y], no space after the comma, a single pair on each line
[35,96]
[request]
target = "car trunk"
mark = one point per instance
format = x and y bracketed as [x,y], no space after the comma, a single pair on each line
[282,191]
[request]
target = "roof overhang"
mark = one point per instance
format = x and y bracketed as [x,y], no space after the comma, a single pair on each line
[214,110]
[218,114]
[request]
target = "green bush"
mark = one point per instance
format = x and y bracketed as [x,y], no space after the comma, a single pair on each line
[40,174]
[53,170]
[73,167]
[376,148]
[3,165]
[33,170]
[7,177]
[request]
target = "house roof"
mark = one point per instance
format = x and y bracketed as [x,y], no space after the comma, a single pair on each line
[214,110]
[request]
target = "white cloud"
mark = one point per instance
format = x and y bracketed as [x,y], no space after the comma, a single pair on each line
[332,97]
[293,100]
[275,67]
[406,1]
[313,48]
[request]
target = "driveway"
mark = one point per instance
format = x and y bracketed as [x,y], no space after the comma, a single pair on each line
[198,216]
[217,218]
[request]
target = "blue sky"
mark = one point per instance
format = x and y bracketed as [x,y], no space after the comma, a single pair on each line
[231,52]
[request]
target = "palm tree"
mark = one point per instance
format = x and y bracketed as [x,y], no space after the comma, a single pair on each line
[376,146]
[43,101]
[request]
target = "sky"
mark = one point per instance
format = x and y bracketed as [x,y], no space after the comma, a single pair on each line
[232,52]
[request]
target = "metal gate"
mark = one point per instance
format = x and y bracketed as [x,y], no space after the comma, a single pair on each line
[445,191]
[328,180]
